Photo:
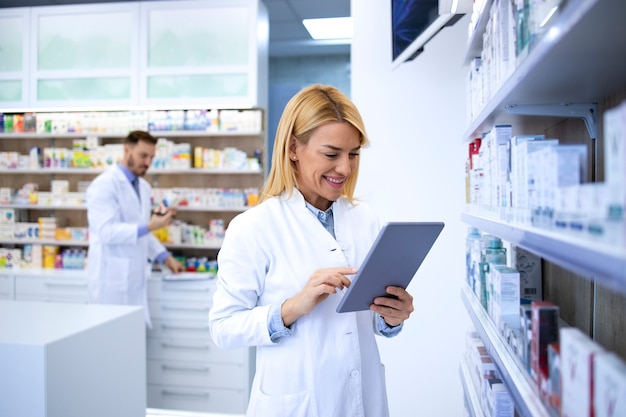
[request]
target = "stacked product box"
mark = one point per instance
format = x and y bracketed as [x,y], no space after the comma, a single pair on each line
[494,396]
[615,165]
[609,393]
[577,376]
[504,285]
[523,189]
[553,390]
[545,330]
[497,398]
[554,167]
[526,335]
[529,267]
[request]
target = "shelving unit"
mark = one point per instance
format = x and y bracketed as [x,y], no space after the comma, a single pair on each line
[247,141]
[185,370]
[522,388]
[83,208]
[595,260]
[470,390]
[562,65]
[570,64]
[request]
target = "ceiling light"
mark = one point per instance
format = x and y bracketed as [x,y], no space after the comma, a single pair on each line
[330,28]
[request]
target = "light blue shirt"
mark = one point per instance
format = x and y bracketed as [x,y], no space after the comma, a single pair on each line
[142,229]
[276,326]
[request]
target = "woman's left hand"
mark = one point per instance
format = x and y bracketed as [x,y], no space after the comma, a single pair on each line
[394,310]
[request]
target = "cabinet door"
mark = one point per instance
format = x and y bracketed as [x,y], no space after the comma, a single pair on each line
[205,400]
[84,55]
[199,52]
[6,286]
[67,288]
[14,41]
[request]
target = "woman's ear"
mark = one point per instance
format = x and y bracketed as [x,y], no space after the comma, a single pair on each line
[292,148]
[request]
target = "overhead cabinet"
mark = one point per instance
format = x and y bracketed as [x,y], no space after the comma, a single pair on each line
[160,53]
[14,42]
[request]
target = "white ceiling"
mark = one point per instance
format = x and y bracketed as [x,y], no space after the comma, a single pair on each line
[288,37]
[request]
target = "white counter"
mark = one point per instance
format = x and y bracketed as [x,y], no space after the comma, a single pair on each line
[72,360]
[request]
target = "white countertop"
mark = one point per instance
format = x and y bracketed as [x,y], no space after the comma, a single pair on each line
[38,323]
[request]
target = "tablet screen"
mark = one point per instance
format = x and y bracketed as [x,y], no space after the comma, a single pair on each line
[393,259]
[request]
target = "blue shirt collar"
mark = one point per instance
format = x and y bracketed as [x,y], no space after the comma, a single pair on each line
[131,177]
[326,218]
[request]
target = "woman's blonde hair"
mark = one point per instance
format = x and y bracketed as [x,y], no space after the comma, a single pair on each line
[309,109]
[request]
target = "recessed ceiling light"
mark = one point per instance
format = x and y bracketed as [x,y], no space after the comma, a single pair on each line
[329,28]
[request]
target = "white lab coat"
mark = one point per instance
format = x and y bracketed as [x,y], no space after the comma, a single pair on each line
[330,365]
[119,261]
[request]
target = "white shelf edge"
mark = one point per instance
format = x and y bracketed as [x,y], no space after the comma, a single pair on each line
[190,246]
[82,274]
[211,171]
[603,262]
[83,207]
[470,390]
[118,135]
[46,171]
[475,42]
[44,242]
[90,171]
[523,390]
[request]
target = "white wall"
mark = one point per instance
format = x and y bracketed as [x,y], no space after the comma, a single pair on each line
[414,170]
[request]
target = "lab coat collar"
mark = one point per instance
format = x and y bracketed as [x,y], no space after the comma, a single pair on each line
[127,172]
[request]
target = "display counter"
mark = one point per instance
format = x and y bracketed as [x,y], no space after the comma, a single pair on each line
[72,360]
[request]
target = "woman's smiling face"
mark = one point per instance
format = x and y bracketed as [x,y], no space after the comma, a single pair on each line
[325,162]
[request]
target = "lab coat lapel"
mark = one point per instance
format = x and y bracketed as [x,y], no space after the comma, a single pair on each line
[129,197]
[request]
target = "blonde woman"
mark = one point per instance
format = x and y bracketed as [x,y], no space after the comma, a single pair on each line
[284,265]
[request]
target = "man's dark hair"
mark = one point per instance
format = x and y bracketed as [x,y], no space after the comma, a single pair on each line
[137,136]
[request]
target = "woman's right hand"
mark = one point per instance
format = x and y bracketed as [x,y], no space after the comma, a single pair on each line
[321,284]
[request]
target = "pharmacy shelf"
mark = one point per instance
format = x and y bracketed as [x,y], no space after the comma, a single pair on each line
[93,171]
[521,387]
[44,242]
[552,74]
[210,171]
[41,207]
[159,133]
[83,207]
[48,171]
[475,41]
[166,276]
[45,272]
[470,390]
[592,259]
[191,246]
[202,133]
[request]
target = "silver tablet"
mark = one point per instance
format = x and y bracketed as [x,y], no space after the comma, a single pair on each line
[393,259]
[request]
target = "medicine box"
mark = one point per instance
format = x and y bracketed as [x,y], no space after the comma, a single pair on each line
[577,358]
[545,330]
[529,267]
[609,378]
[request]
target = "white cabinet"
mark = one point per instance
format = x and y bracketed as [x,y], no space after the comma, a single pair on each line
[185,369]
[70,360]
[571,63]
[175,53]
[51,286]
[6,287]
[14,57]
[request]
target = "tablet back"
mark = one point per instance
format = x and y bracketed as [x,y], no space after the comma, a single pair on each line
[393,259]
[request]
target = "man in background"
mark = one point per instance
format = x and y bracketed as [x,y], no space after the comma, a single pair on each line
[121,245]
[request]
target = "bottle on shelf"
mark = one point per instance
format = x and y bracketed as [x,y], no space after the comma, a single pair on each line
[492,253]
[473,238]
